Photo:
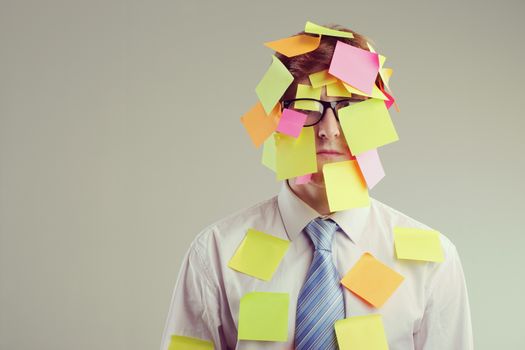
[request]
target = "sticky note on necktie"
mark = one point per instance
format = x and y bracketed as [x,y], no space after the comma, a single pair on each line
[317,29]
[321,78]
[372,280]
[264,316]
[367,125]
[371,167]
[295,45]
[259,125]
[361,332]
[296,156]
[291,122]
[259,254]
[273,84]
[307,91]
[354,66]
[417,244]
[187,343]
[345,186]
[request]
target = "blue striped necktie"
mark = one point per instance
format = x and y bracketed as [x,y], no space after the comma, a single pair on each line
[320,301]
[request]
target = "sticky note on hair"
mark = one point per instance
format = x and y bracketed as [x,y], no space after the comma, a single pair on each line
[259,254]
[295,45]
[417,244]
[367,125]
[321,78]
[345,186]
[371,167]
[264,316]
[296,156]
[376,92]
[361,332]
[273,84]
[259,125]
[372,280]
[187,343]
[317,29]
[307,91]
[291,122]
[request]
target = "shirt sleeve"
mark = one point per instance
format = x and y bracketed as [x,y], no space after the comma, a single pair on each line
[446,323]
[194,309]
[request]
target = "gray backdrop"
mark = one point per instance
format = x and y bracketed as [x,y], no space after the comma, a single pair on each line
[120,140]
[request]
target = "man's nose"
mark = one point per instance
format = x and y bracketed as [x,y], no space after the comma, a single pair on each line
[329,126]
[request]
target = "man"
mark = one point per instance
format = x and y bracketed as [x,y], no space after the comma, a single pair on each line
[425,307]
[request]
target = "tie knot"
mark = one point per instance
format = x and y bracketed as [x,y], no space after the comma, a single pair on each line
[321,232]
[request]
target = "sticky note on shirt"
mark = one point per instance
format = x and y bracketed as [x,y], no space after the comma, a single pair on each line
[367,125]
[345,186]
[296,156]
[264,316]
[417,244]
[187,343]
[321,78]
[372,280]
[361,332]
[273,84]
[317,29]
[371,167]
[307,91]
[259,125]
[295,45]
[291,122]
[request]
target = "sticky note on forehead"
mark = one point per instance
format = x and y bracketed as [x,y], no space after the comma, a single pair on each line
[417,244]
[264,316]
[295,45]
[307,91]
[345,186]
[273,84]
[337,89]
[355,66]
[187,343]
[361,332]
[295,156]
[321,78]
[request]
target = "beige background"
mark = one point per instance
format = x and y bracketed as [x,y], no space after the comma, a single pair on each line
[120,139]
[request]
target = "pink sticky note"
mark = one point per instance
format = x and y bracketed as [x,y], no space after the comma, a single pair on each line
[390,100]
[304,179]
[355,66]
[371,167]
[291,122]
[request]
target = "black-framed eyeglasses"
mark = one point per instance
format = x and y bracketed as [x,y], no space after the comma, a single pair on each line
[314,109]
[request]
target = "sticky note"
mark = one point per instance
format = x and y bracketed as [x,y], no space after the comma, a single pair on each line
[295,45]
[273,84]
[291,122]
[390,101]
[307,91]
[354,66]
[317,29]
[296,156]
[259,254]
[345,186]
[304,179]
[361,333]
[259,125]
[337,89]
[376,92]
[268,158]
[386,73]
[367,125]
[264,316]
[372,280]
[187,343]
[321,78]
[371,167]
[418,244]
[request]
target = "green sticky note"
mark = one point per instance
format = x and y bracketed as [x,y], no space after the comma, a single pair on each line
[317,29]
[367,125]
[268,153]
[345,186]
[307,91]
[264,316]
[361,332]
[417,244]
[186,343]
[259,254]
[273,84]
[296,156]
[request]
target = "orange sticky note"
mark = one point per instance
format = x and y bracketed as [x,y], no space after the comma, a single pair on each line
[372,280]
[295,45]
[259,125]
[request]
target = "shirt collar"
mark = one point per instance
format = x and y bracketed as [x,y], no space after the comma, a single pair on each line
[296,214]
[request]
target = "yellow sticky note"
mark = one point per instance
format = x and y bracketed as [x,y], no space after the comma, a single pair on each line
[259,125]
[418,244]
[307,91]
[273,84]
[296,156]
[361,333]
[264,316]
[372,280]
[337,89]
[376,92]
[367,125]
[295,45]
[321,78]
[269,153]
[259,254]
[345,185]
[187,343]
[386,73]
[317,29]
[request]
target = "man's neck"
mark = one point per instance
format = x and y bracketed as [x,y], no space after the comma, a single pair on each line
[312,193]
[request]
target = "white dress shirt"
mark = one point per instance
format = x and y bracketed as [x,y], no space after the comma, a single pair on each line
[429,310]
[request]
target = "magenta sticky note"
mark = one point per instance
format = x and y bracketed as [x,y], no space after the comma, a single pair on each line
[371,167]
[291,122]
[355,66]
[304,179]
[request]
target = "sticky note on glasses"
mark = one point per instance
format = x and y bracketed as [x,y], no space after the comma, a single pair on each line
[187,343]
[317,29]
[372,280]
[337,89]
[295,45]
[259,254]
[361,332]
[367,125]
[417,244]
[307,91]
[345,186]
[264,316]
[371,167]
[296,156]
[273,84]
[259,125]
[291,122]
[354,66]
[321,78]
